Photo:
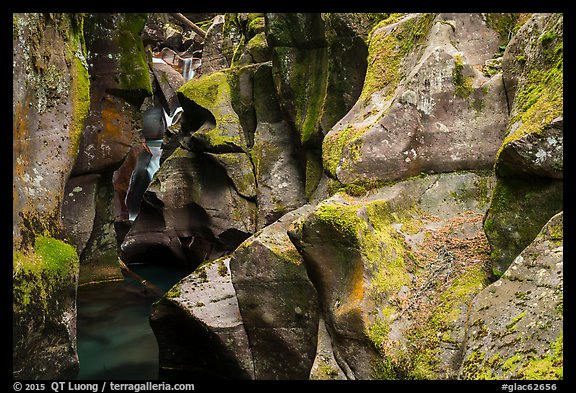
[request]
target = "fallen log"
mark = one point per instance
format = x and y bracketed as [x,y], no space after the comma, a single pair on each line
[190,24]
[148,286]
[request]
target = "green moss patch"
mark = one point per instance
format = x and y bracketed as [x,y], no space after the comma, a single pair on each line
[333,147]
[462,83]
[387,51]
[134,74]
[540,95]
[41,274]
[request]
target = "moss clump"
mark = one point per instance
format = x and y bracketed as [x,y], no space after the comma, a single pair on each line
[42,273]
[333,146]
[462,84]
[556,233]
[526,366]
[382,369]
[355,190]
[134,75]
[174,292]
[475,367]
[387,51]
[207,91]
[378,332]
[342,218]
[80,94]
[222,269]
[327,371]
[305,75]
[80,84]
[512,325]
[547,38]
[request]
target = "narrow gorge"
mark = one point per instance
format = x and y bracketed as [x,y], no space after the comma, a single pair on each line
[288,196]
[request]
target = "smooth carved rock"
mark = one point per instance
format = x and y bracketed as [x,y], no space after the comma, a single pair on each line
[79,208]
[280,181]
[278,303]
[192,208]
[200,329]
[169,81]
[535,154]
[110,132]
[240,171]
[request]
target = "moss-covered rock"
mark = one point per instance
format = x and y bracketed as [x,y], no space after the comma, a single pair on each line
[319,62]
[516,324]
[50,103]
[533,75]
[529,164]
[253,46]
[44,281]
[118,54]
[208,103]
[303,88]
[518,210]
[388,47]
[396,271]
[424,103]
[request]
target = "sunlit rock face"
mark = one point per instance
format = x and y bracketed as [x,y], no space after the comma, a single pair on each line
[426,105]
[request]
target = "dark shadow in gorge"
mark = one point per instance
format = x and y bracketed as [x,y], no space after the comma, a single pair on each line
[115,340]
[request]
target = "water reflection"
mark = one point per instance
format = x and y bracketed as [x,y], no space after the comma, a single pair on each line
[115,340]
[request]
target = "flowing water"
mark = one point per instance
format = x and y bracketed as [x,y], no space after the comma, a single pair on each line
[115,340]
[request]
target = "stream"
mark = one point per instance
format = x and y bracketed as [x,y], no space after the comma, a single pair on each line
[115,340]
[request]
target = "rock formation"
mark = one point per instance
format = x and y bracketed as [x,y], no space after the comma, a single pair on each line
[357,196]
[50,103]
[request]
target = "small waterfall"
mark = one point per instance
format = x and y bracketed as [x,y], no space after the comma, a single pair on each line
[185,63]
[155,147]
[187,70]
[148,164]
